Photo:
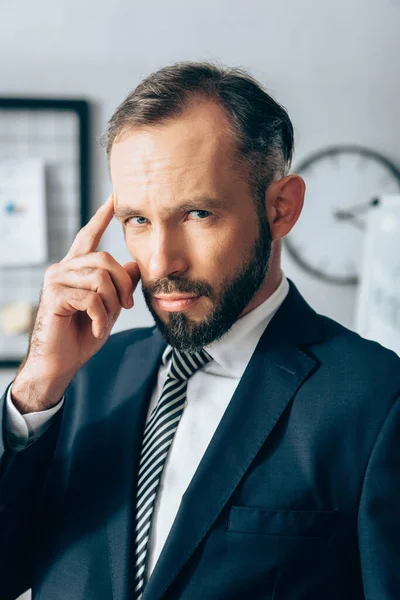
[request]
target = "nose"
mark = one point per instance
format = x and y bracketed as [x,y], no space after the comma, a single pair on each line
[167,255]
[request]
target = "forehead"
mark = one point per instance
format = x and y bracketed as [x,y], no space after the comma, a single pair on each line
[197,146]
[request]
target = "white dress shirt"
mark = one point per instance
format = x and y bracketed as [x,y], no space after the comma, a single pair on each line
[209,392]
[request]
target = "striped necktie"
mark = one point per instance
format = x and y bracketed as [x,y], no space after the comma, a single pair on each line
[157,439]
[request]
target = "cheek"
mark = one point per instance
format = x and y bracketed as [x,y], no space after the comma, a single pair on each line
[230,244]
[134,249]
[139,245]
[138,253]
[216,254]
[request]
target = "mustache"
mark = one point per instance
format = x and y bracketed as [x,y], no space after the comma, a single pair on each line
[171,285]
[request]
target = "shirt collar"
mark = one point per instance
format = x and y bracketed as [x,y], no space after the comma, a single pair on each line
[234,350]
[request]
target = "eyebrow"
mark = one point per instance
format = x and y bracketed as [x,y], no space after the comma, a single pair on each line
[124,211]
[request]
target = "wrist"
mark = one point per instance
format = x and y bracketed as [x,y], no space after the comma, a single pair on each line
[30,394]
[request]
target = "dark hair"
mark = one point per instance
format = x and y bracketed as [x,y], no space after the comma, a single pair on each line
[262,128]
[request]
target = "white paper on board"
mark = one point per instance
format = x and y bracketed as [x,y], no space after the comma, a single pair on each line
[378,311]
[23,227]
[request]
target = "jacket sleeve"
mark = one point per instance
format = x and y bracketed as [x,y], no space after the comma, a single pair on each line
[22,478]
[379,514]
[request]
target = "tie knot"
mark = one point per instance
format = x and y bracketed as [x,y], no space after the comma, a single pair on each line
[184,364]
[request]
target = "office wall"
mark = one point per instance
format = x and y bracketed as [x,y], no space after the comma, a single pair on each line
[334,65]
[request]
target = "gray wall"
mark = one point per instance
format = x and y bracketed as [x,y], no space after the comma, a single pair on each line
[334,65]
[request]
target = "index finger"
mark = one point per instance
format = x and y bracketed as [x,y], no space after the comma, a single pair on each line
[88,238]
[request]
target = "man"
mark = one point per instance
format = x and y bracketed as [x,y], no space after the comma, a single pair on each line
[245,446]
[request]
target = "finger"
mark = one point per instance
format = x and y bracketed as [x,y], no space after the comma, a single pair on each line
[132,268]
[103,260]
[95,280]
[88,238]
[72,300]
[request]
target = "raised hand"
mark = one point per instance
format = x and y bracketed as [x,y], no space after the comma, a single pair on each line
[81,299]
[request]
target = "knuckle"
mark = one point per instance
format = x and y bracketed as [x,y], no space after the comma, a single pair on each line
[54,296]
[51,272]
[88,275]
[86,271]
[104,256]
[75,293]
[102,276]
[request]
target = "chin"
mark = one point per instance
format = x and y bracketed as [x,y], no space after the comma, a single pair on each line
[184,315]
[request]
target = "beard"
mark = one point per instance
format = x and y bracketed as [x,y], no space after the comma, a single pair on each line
[235,294]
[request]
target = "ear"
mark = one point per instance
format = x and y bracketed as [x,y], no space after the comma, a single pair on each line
[284,203]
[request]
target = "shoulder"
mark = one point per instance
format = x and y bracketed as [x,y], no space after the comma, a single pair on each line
[360,363]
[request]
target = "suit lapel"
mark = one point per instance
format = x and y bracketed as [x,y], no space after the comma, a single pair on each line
[128,409]
[274,374]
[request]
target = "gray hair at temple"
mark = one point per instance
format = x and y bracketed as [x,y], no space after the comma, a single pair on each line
[261,127]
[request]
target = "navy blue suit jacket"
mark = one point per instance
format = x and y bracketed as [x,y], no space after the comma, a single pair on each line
[296,498]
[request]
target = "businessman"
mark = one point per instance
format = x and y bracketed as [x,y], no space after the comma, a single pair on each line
[245,447]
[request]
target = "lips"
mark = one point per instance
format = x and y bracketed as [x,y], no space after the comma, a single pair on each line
[174,297]
[175,302]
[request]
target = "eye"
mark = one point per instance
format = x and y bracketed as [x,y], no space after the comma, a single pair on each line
[139,221]
[200,215]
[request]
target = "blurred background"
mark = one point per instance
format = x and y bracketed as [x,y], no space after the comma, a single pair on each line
[334,65]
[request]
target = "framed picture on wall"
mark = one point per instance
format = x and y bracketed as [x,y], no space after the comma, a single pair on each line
[44,200]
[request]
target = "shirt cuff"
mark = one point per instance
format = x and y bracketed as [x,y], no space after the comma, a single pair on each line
[23,430]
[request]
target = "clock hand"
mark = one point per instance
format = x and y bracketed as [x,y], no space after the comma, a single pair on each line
[367,206]
[350,215]
[346,215]
[360,208]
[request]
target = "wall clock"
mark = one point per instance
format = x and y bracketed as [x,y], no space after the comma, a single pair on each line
[344,184]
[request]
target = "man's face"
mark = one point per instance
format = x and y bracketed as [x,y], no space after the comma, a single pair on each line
[191,224]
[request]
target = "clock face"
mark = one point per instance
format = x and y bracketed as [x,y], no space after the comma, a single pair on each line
[343,185]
